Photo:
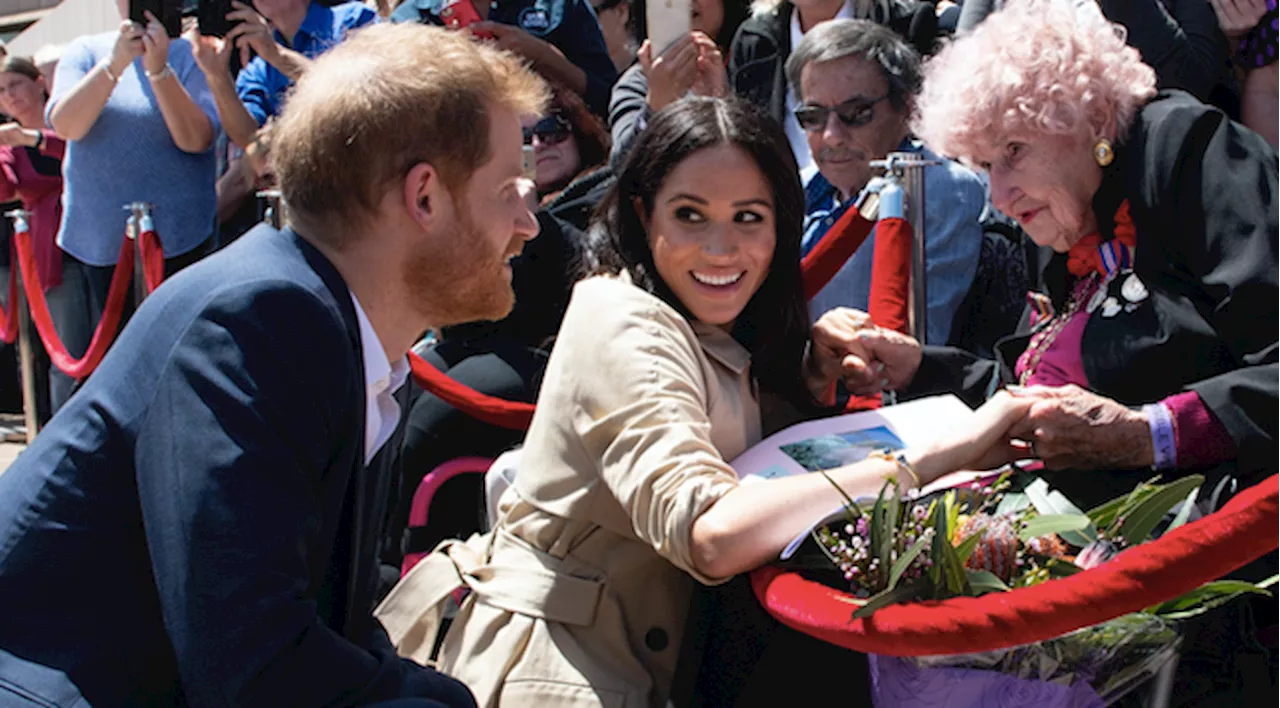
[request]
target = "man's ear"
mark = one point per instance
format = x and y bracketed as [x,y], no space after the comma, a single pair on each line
[424,194]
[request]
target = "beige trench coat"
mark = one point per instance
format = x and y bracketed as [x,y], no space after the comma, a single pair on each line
[579,596]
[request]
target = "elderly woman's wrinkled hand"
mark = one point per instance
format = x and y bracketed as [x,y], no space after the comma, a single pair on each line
[1236,17]
[846,345]
[1071,428]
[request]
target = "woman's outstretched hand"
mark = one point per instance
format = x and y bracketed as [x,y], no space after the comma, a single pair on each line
[1071,428]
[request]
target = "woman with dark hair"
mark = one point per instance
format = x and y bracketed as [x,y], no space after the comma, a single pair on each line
[694,64]
[569,143]
[687,344]
[31,171]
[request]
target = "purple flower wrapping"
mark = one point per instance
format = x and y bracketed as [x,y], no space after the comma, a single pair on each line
[900,683]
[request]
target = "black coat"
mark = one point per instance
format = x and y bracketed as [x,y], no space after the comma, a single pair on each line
[1202,192]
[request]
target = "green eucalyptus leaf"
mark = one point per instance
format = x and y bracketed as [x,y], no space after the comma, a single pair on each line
[850,506]
[984,581]
[1207,597]
[904,560]
[1045,524]
[892,596]
[1136,526]
[952,570]
[965,548]
[1013,502]
[1055,503]
[891,526]
[1104,516]
[1185,512]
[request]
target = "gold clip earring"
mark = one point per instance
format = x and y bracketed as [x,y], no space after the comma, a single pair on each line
[1103,152]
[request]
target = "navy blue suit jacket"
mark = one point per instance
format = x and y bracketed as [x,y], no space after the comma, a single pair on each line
[197,525]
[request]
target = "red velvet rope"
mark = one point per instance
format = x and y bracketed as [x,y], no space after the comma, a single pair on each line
[891,274]
[102,336]
[1148,574]
[152,259]
[825,260]
[512,415]
[9,320]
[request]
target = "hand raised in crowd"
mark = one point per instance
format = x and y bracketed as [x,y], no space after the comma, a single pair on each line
[254,32]
[868,358]
[1071,428]
[128,46]
[712,79]
[155,45]
[517,41]
[672,73]
[212,54]
[1236,17]
[14,135]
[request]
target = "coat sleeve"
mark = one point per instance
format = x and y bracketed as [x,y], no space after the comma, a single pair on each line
[1180,39]
[641,409]
[1216,182]
[235,458]
[628,111]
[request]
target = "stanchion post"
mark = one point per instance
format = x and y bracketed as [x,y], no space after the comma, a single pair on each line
[139,221]
[906,170]
[26,352]
[272,213]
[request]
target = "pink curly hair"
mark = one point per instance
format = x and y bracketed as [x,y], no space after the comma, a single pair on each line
[1047,66]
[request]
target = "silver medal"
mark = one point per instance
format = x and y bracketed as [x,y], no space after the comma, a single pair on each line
[1110,307]
[1133,290]
[1098,296]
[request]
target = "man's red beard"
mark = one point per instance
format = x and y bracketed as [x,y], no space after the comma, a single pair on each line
[461,277]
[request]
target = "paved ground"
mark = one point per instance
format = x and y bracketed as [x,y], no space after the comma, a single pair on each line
[8,451]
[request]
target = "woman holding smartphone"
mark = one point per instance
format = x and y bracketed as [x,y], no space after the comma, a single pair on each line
[687,344]
[692,64]
[139,123]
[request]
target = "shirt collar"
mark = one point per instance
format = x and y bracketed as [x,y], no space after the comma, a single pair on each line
[316,23]
[721,346]
[379,374]
[844,13]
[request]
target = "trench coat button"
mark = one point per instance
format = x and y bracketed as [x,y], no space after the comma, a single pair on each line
[656,639]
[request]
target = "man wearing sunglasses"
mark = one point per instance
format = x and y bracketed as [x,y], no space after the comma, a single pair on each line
[856,82]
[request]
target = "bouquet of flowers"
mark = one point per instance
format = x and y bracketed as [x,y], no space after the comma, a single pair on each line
[1008,532]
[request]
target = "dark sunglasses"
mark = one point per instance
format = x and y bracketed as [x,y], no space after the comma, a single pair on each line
[855,113]
[551,130]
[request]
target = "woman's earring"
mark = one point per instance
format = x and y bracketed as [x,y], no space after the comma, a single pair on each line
[1103,152]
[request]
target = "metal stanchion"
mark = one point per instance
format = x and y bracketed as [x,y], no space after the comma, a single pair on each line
[905,170]
[26,352]
[139,221]
[271,211]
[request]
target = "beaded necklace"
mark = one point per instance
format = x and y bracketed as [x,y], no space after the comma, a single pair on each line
[1041,341]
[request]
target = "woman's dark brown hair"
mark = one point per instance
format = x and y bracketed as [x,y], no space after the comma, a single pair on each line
[589,132]
[774,325]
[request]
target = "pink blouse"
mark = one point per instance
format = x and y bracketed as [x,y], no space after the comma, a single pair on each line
[41,194]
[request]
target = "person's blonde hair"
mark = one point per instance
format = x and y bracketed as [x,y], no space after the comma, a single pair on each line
[389,97]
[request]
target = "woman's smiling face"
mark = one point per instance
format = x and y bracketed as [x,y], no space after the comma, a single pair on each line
[713,231]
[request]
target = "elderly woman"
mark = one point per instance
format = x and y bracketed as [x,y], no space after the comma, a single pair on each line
[1153,344]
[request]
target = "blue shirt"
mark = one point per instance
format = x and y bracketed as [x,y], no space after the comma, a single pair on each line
[955,200]
[262,87]
[569,25]
[129,156]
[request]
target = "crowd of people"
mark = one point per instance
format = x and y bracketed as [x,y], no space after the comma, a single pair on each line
[553,210]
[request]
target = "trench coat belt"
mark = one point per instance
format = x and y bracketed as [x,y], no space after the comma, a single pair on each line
[516,577]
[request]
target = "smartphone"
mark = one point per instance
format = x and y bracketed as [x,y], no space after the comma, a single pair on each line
[461,13]
[169,12]
[667,21]
[211,17]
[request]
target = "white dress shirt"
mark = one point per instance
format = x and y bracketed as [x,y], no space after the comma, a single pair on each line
[795,134]
[381,380]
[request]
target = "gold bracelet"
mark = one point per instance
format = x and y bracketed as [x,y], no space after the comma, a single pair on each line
[900,460]
[106,68]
